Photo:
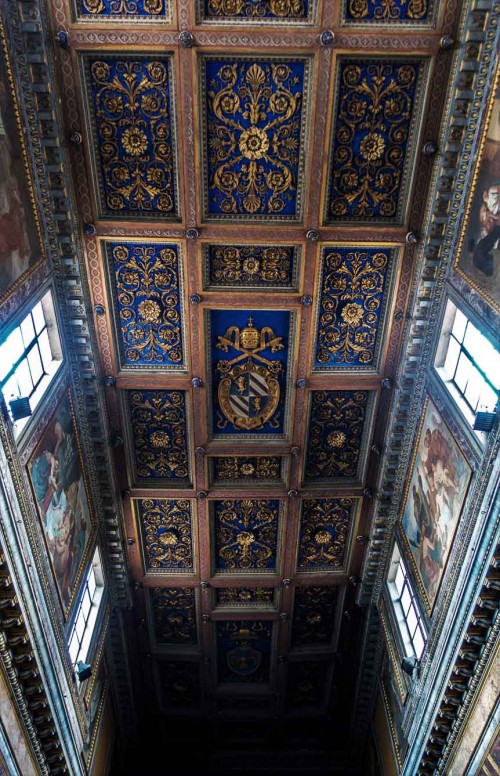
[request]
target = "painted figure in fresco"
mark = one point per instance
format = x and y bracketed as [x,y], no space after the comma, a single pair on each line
[14,243]
[440,469]
[60,493]
[486,250]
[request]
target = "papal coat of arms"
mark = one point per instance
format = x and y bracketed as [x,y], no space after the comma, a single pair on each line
[249,390]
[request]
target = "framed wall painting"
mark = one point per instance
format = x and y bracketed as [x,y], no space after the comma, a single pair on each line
[394,710]
[95,708]
[57,479]
[478,254]
[434,497]
[21,245]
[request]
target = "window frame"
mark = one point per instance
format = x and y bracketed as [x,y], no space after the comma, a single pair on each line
[49,370]
[91,618]
[396,592]
[445,337]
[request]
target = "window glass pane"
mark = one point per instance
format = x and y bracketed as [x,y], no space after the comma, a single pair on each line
[92,584]
[450,362]
[462,374]
[459,325]
[79,626]
[38,317]
[474,388]
[73,648]
[35,364]
[412,620]
[23,377]
[405,600]
[474,341]
[45,349]
[10,389]
[86,604]
[400,578]
[5,360]
[27,330]
[418,643]
[14,346]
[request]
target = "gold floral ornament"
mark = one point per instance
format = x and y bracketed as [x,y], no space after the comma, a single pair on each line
[244,265]
[322,537]
[166,527]
[324,524]
[336,439]
[352,314]
[375,117]
[253,143]
[149,311]
[159,439]
[245,538]
[351,308]
[257,8]
[390,10]
[254,137]
[372,146]
[123,7]
[246,534]
[333,412]
[168,538]
[133,129]
[159,434]
[134,141]
[174,615]
[146,285]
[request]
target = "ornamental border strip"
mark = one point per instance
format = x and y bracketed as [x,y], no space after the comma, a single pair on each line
[412,379]
[27,28]
[18,658]
[476,648]
[427,290]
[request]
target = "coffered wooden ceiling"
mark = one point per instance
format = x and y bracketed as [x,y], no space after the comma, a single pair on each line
[251,181]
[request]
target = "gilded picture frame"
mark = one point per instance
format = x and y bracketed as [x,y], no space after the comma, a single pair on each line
[61,493]
[433,501]
[21,242]
[393,710]
[478,251]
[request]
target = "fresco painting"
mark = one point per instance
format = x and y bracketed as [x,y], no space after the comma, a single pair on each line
[479,259]
[436,493]
[20,245]
[58,485]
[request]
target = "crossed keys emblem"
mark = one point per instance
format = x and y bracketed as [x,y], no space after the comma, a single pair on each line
[249,390]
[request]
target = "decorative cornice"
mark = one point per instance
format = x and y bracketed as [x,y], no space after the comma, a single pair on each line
[22,670]
[28,30]
[477,645]
[460,130]
[372,650]
[473,68]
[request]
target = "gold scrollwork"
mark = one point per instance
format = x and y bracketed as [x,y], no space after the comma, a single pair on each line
[174,615]
[324,527]
[256,8]
[246,533]
[167,533]
[254,137]
[351,301]
[147,287]
[133,123]
[388,9]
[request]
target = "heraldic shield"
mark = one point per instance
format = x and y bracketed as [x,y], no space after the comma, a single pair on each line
[249,391]
[243,659]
